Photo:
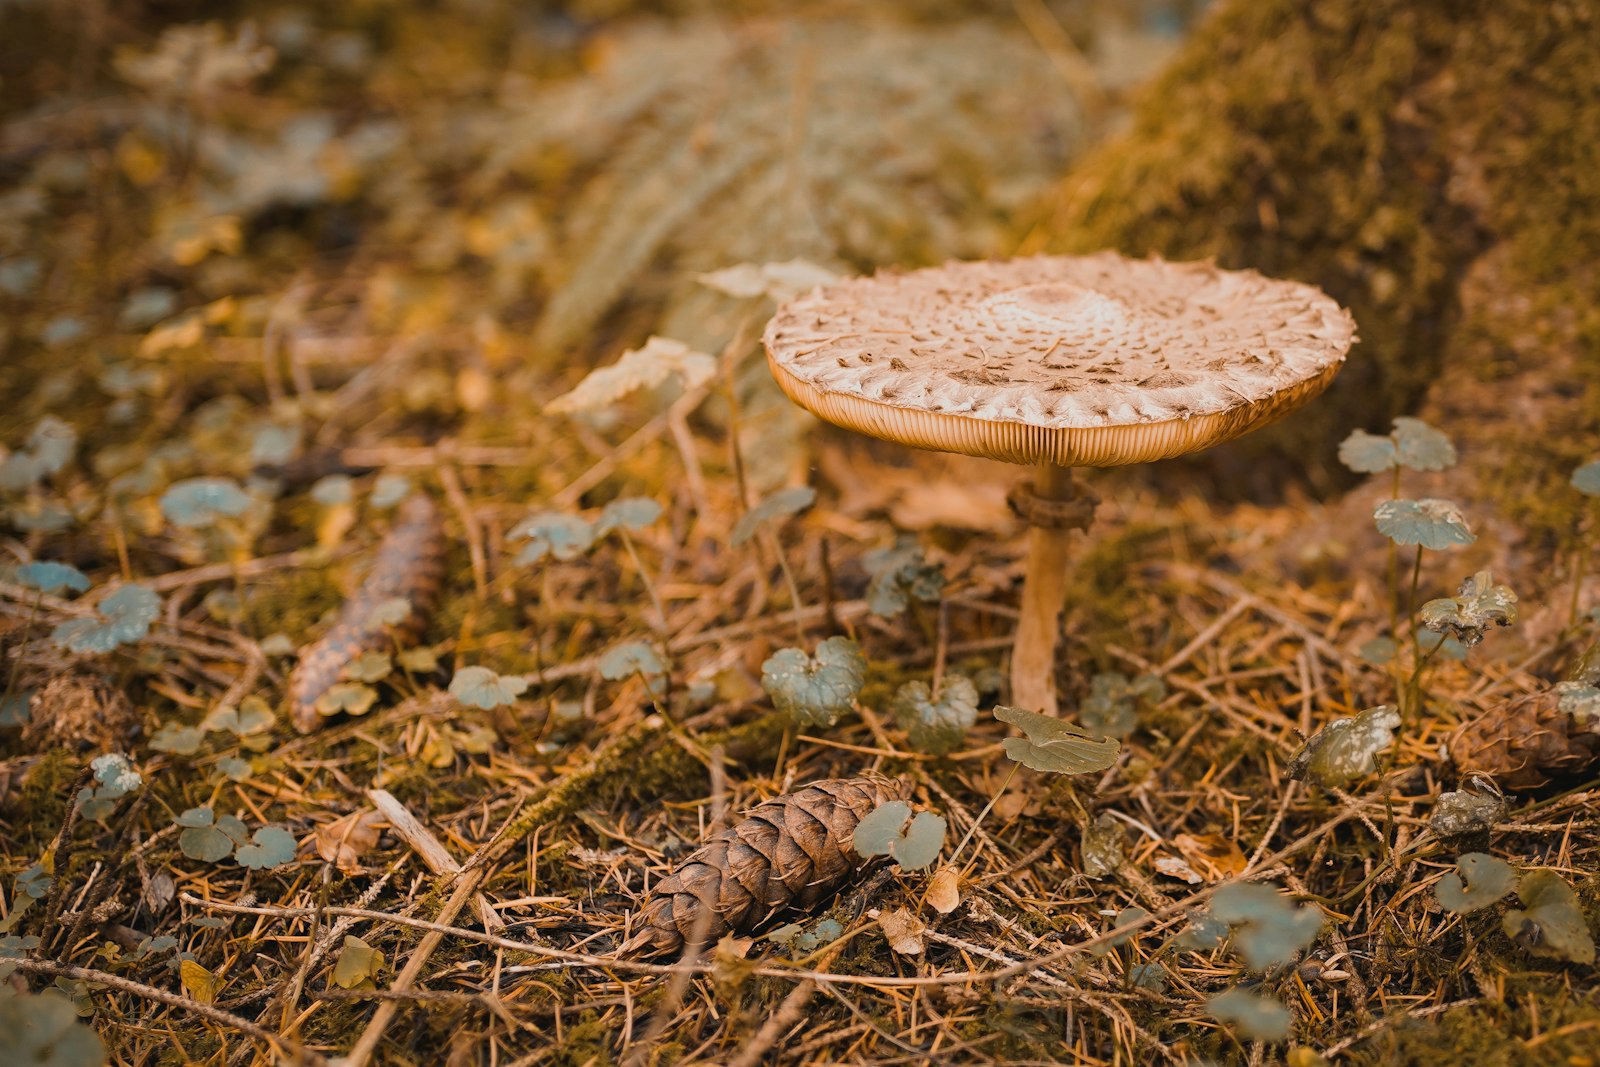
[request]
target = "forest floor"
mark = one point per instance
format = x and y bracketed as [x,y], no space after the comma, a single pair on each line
[395,780]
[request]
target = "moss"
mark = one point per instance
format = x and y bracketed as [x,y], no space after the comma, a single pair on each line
[1380,149]
[1521,1031]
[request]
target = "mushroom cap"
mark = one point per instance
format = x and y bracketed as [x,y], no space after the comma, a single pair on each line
[1090,361]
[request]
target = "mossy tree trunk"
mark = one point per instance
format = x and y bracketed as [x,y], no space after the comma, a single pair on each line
[1435,167]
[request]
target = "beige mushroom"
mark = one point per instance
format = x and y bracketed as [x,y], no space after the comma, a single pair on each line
[1057,362]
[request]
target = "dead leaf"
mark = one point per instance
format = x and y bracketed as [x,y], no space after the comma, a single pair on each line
[944,891]
[1213,855]
[1176,867]
[199,983]
[903,931]
[345,840]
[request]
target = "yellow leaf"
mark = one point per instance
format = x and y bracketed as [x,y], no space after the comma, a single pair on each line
[199,983]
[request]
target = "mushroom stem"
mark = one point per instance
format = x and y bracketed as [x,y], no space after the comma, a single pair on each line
[1044,592]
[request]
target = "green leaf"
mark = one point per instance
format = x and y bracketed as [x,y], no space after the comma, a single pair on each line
[1482,881]
[208,838]
[483,688]
[16,708]
[659,361]
[1431,523]
[35,882]
[269,847]
[899,575]
[424,659]
[1421,447]
[333,490]
[252,716]
[1586,479]
[49,577]
[775,508]
[622,661]
[43,1030]
[371,666]
[50,447]
[1580,700]
[1550,922]
[825,932]
[358,964]
[1479,605]
[1258,1018]
[1346,749]
[200,502]
[815,690]
[389,489]
[1448,646]
[1151,976]
[1114,702]
[125,617]
[1203,934]
[1054,745]
[352,698]
[632,513]
[1379,651]
[552,533]
[936,724]
[274,445]
[390,611]
[178,739]
[1368,453]
[235,769]
[777,281]
[115,774]
[880,834]
[1268,928]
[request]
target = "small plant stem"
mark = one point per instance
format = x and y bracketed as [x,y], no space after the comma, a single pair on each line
[1411,696]
[22,650]
[1577,578]
[1411,604]
[649,586]
[794,589]
[1394,587]
[1015,767]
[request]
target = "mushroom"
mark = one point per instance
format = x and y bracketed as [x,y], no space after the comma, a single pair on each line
[1057,362]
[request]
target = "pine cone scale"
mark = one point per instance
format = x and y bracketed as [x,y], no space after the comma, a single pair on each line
[788,853]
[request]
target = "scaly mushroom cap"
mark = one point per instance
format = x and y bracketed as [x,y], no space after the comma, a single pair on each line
[1076,360]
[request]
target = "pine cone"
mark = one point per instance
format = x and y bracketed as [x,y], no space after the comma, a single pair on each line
[788,853]
[1526,743]
[409,564]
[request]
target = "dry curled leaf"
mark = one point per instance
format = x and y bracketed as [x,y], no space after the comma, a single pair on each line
[944,890]
[345,840]
[408,567]
[903,931]
[787,854]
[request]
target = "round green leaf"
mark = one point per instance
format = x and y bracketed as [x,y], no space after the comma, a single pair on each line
[483,688]
[936,724]
[1346,749]
[1368,453]
[1586,479]
[1055,746]
[269,847]
[1421,447]
[1431,523]
[1482,881]
[50,577]
[815,690]
[1258,1018]
[199,502]
[777,507]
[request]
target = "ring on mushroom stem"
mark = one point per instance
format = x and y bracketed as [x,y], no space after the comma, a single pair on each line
[1057,362]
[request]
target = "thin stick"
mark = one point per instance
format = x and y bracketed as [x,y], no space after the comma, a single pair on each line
[428,848]
[367,1043]
[161,996]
